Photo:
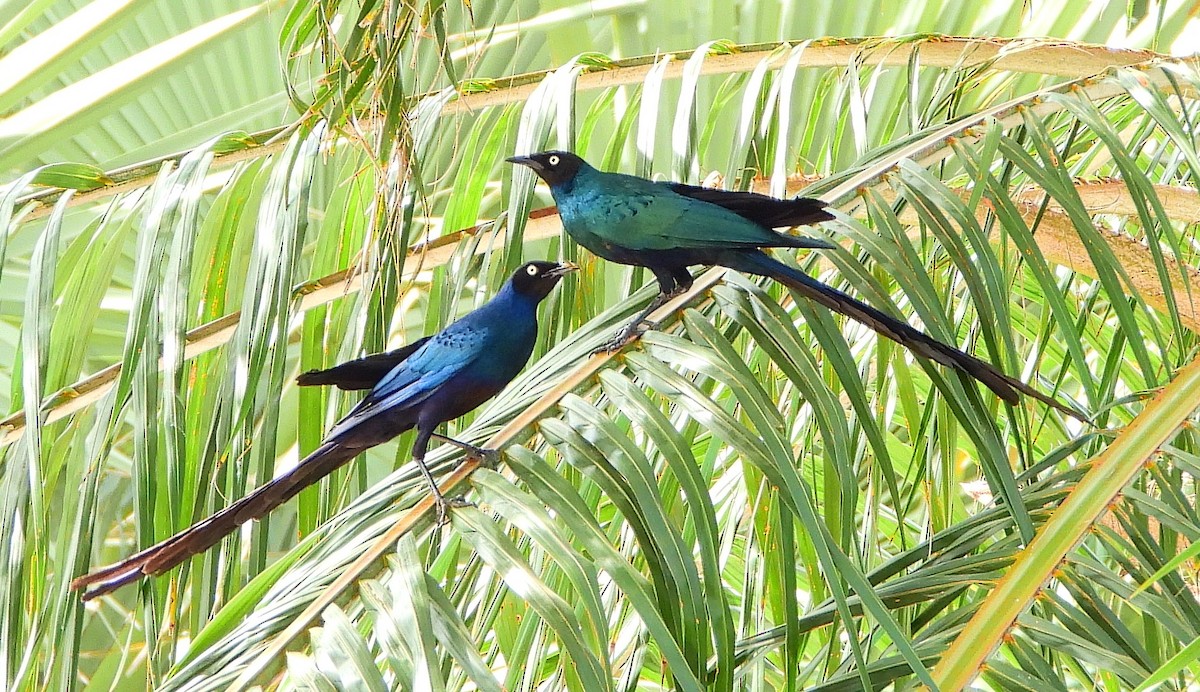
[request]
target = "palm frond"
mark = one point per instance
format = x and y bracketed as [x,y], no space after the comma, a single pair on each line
[759,493]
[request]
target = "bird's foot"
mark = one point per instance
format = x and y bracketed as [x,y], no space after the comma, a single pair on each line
[442,506]
[640,324]
[625,336]
[487,457]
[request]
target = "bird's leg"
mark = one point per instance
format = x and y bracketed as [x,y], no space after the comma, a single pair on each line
[634,328]
[673,280]
[441,504]
[489,457]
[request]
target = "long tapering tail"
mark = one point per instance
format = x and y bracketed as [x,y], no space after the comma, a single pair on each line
[203,535]
[1007,388]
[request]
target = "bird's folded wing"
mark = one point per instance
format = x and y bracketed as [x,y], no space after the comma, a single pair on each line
[667,221]
[445,355]
[764,210]
[361,373]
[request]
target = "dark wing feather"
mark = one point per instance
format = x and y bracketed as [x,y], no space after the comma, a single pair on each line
[363,373]
[447,354]
[764,210]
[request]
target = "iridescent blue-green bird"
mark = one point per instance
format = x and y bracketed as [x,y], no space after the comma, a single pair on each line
[667,227]
[421,386]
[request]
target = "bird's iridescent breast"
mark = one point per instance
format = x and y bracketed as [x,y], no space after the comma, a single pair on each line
[601,221]
[503,332]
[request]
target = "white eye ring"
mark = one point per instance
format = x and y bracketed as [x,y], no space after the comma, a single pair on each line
[531,270]
[553,160]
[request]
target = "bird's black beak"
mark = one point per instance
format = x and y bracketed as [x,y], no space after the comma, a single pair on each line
[562,270]
[526,161]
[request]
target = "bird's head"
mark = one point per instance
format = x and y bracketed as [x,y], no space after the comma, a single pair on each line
[536,279]
[555,167]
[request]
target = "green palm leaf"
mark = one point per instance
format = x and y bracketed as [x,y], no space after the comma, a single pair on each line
[760,494]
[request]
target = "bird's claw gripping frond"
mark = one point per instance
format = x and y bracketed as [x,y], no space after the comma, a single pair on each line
[625,336]
[486,456]
[442,506]
[639,325]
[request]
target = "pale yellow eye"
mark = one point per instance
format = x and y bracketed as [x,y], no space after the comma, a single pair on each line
[531,270]
[553,160]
